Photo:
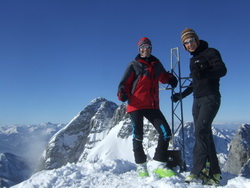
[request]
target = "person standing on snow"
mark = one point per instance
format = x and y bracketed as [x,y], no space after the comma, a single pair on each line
[140,87]
[206,67]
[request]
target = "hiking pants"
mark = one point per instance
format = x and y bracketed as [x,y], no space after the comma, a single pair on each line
[204,111]
[155,117]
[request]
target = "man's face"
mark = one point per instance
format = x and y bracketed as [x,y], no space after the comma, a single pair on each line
[190,44]
[145,50]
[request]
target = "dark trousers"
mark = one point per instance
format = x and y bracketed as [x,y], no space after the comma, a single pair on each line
[204,111]
[155,117]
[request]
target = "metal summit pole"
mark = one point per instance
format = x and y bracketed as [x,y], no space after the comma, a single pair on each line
[177,108]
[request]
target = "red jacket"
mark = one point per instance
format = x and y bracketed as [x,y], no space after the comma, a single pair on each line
[141,83]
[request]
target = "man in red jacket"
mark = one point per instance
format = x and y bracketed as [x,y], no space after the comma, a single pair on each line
[140,87]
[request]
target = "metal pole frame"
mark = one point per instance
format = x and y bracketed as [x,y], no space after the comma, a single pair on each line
[177,108]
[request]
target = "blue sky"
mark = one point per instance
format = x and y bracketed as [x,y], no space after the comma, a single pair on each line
[58,55]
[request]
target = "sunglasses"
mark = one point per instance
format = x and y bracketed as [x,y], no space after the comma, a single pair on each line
[145,47]
[189,41]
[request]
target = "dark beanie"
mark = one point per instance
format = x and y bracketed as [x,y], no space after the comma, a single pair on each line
[144,40]
[189,33]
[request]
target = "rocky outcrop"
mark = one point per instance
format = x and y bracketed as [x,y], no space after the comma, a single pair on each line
[119,114]
[239,152]
[245,170]
[101,124]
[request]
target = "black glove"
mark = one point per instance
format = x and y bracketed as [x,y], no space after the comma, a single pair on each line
[176,97]
[123,96]
[173,81]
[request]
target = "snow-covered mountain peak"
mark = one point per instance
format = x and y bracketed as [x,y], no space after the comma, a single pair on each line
[68,144]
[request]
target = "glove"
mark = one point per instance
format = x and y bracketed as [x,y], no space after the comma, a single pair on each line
[173,81]
[176,97]
[123,96]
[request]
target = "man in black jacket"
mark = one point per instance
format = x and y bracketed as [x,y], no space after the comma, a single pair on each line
[206,69]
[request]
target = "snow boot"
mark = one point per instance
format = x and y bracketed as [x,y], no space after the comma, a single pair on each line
[205,170]
[193,178]
[214,180]
[161,170]
[204,174]
[142,170]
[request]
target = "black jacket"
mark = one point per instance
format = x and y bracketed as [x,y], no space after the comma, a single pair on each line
[206,69]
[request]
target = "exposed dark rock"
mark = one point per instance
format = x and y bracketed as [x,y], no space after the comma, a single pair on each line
[239,153]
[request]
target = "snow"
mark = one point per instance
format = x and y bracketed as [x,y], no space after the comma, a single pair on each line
[110,173]
[110,149]
[111,164]
[69,140]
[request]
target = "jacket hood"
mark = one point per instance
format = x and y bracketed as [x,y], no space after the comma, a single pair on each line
[203,45]
[147,59]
